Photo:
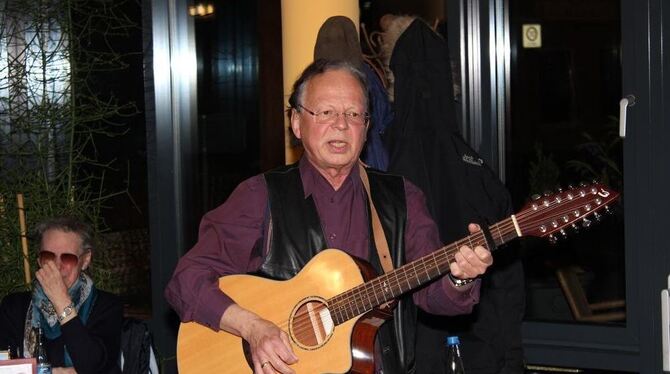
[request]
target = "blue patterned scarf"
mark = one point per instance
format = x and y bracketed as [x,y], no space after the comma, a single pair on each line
[41,312]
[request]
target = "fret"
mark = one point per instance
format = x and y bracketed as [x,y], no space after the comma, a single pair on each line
[417,273]
[437,265]
[409,285]
[416,280]
[372,296]
[401,276]
[386,285]
[351,302]
[388,290]
[396,288]
[334,312]
[481,240]
[435,272]
[343,313]
[368,301]
[344,316]
[502,239]
[426,268]
[358,300]
[375,293]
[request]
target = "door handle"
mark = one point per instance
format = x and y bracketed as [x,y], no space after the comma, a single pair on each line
[665,327]
[624,103]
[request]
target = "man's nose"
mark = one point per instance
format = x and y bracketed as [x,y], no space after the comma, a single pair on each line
[340,122]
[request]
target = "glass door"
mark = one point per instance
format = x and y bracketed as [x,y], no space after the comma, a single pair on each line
[565,88]
[592,297]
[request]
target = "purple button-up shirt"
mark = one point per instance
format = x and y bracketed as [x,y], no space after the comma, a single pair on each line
[229,233]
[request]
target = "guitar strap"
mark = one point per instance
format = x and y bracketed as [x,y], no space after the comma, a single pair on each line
[380,238]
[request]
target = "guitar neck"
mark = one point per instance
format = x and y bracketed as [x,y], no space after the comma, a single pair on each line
[389,286]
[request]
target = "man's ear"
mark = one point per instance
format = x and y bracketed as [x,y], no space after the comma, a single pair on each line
[295,123]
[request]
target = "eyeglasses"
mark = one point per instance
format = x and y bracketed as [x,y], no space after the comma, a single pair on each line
[67,259]
[328,117]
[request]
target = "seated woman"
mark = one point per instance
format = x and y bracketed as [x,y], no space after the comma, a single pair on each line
[81,324]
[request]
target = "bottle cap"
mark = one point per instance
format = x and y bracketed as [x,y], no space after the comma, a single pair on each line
[452,340]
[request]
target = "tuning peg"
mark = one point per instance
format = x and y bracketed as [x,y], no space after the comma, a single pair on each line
[597,216]
[547,193]
[594,181]
[586,223]
[571,186]
[559,189]
[575,228]
[552,239]
[608,210]
[563,233]
[535,197]
[582,184]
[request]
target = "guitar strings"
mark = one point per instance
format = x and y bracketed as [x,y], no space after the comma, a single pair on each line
[362,291]
[351,303]
[355,297]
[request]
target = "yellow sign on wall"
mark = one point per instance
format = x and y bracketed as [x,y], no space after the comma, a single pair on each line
[531,35]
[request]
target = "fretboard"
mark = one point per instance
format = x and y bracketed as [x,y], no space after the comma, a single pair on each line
[377,291]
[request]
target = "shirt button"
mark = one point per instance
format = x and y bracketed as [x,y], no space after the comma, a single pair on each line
[332,200]
[332,236]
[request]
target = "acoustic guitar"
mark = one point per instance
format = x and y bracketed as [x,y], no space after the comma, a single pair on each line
[333,307]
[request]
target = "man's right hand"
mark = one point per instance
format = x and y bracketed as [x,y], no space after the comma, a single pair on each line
[270,346]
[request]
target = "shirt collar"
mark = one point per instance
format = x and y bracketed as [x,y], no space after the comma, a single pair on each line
[313,181]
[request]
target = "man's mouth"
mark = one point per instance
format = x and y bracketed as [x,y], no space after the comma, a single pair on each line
[337,143]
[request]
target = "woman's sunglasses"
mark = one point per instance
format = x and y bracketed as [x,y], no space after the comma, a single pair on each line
[67,259]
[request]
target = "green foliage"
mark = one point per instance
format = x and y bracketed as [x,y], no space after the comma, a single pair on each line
[51,113]
[601,157]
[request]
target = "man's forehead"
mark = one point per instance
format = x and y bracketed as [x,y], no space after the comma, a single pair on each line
[340,79]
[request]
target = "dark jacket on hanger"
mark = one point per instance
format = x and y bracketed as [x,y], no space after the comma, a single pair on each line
[425,146]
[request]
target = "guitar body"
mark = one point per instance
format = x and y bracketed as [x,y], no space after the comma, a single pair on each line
[320,348]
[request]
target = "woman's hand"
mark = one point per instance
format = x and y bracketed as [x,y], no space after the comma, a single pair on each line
[52,283]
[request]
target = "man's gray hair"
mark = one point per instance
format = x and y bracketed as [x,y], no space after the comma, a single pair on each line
[319,67]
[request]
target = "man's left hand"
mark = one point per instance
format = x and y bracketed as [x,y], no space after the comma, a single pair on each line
[471,263]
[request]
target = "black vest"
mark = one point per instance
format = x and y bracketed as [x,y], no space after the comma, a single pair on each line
[296,236]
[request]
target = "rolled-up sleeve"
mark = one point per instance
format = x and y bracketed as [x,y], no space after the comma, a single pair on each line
[422,237]
[227,238]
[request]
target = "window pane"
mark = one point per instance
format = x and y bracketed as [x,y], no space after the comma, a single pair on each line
[565,89]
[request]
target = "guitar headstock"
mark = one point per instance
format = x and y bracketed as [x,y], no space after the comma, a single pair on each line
[552,213]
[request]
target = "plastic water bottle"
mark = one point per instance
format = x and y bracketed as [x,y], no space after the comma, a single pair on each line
[43,365]
[454,361]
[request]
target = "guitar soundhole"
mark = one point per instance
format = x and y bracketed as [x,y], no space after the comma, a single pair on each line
[311,324]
